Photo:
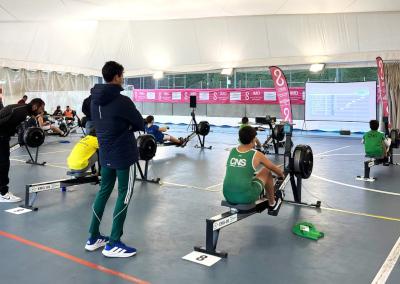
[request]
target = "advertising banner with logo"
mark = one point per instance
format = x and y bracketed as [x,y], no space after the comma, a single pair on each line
[217,96]
[282,92]
[382,86]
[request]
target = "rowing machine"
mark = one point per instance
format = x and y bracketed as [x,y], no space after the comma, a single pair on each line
[77,178]
[297,166]
[373,161]
[277,134]
[147,146]
[30,136]
[200,130]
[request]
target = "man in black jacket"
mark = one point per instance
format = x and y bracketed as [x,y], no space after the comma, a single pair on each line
[115,118]
[86,111]
[10,117]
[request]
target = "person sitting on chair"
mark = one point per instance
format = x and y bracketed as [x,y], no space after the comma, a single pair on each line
[69,114]
[245,122]
[375,143]
[46,126]
[58,113]
[242,185]
[158,134]
[84,154]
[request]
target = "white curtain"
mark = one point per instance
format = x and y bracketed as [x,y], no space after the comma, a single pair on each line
[16,83]
[392,77]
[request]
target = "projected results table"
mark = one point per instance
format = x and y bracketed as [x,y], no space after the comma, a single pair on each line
[339,107]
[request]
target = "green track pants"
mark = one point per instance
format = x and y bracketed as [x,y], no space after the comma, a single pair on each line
[126,180]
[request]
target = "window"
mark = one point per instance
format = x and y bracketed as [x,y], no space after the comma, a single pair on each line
[254,79]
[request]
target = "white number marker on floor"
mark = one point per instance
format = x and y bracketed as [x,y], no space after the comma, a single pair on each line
[202,258]
[18,210]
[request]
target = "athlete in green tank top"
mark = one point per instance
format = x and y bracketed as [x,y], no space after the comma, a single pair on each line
[241,185]
[373,140]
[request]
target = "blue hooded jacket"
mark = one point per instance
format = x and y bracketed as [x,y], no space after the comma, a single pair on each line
[115,118]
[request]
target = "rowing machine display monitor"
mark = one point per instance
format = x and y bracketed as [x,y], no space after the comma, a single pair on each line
[265,120]
[261,120]
[287,128]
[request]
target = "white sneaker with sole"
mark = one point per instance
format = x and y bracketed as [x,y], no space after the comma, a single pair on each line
[93,244]
[119,249]
[9,197]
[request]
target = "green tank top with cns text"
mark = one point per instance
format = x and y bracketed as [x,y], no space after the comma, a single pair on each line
[239,173]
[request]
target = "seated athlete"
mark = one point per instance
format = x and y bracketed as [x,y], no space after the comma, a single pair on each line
[58,113]
[158,134]
[46,125]
[375,143]
[84,154]
[241,185]
[245,122]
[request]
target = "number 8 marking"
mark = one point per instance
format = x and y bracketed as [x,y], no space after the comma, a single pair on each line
[201,257]
[279,80]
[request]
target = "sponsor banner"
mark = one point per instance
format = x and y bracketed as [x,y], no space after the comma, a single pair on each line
[282,92]
[217,96]
[382,86]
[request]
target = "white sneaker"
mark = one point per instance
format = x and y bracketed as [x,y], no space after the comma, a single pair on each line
[9,197]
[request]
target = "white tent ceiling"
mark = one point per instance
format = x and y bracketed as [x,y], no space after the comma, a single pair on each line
[50,10]
[194,35]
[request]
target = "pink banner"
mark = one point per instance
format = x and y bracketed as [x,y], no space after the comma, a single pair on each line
[382,87]
[216,96]
[282,91]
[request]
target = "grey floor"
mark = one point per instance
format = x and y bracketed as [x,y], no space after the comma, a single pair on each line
[165,222]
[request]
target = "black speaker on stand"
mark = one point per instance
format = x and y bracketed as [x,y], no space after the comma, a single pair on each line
[193,102]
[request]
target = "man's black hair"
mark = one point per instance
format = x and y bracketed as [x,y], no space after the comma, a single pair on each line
[374,124]
[247,134]
[25,97]
[111,69]
[37,102]
[150,119]
[245,120]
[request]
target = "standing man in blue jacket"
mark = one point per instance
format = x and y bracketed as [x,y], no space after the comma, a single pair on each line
[115,118]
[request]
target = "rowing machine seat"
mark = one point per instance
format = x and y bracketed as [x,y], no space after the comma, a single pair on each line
[246,207]
[78,173]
